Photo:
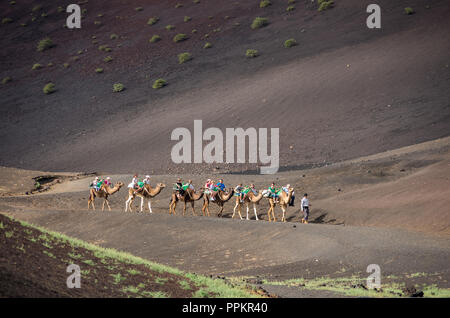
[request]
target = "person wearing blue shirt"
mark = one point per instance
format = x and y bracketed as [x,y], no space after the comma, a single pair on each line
[221,185]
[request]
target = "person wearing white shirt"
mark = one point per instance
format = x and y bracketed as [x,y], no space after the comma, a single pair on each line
[305,208]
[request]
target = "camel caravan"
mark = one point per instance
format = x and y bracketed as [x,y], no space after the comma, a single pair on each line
[211,192]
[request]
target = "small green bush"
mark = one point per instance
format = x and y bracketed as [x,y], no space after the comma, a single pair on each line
[36,8]
[108,59]
[118,87]
[6,20]
[187,19]
[66,65]
[103,47]
[290,8]
[45,44]
[409,11]
[159,83]
[36,66]
[139,9]
[6,79]
[99,70]
[49,88]
[291,1]
[251,53]
[194,30]
[290,43]
[264,3]
[98,22]
[207,45]
[170,27]
[184,57]
[180,37]
[155,38]
[152,20]
[196,1]
[325,5]
[178,5]
[259,22]
[50,64]
[113,36]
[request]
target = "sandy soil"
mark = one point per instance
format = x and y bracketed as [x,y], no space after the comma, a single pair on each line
[349,229]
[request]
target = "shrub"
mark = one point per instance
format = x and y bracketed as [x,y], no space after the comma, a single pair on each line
[139,9]
[178,5]
[60,9]
[44,15]
[291,1]
[290,8]
[6,79]
[187,19]
[113,36]
[251,53]
[264,3]
[179,37]
[159,83]
[196,1]
[155,38]
[152,20]
[324,5]
[409,11]
[290,43]
[118,87]
[184,57]
[170,27]
[36,8]
[36,66]
[102,47]
[98,22]
[207,45]
[99,70]
[259,22]
[66,65]
[45,44]
[194,30]
[50,64]
[108,59]
[6,20]
[49,88]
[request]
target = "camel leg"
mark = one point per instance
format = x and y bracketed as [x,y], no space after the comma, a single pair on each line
[93,205]
[107,203]
[150,206]
[130,205]
[103,205]
[283,219]
[127,204]
[221,211]
[234,210]
[184,208]
[174,207]
[193,210]
[268,214]
[256,214]
[247,213]
[142,204]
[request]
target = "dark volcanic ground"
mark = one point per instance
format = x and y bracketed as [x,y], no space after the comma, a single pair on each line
[343,92]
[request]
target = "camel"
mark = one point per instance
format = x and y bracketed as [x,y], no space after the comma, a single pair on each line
[283,202]
[103,194]
[146,193]
[220,199]
[188,196]
[250,197]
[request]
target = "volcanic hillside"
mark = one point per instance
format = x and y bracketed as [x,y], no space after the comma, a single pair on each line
[343,91]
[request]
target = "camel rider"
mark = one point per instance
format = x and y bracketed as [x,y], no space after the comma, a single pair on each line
[147,180]
[207,185]
[238,191]
[178,188]
[94,183]
[188,185]
[286,189]
[273,192]
[252,187]
[133,184]
[221,185]
[108,182]
[213,189]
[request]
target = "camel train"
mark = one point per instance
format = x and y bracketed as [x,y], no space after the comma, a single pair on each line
[185,193]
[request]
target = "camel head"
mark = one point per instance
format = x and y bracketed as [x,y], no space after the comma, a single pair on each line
[161,185]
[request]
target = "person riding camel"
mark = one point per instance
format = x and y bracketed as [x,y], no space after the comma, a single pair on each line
[213,189]
[238,191]
[134,181]
[147,180]
[273,192]
[94,184]
[286,189]
[178,188]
